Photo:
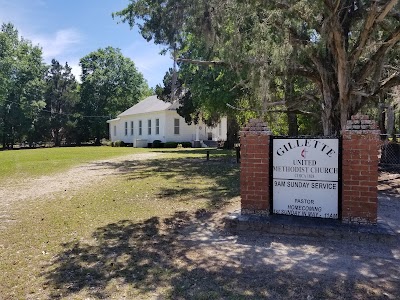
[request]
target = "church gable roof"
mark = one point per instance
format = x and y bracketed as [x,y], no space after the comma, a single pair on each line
[150,104]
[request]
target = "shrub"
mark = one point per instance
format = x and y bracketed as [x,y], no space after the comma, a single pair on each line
[170,145]
[118,144]
[186,145]
[157,144]
[104,142]
[178,145]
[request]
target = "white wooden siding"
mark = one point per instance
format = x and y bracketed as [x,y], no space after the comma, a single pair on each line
[187,133]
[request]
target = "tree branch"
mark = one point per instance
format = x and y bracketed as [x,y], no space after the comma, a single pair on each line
[297,38]
[364,36]
[392,81]
[372,19]
[303,72]
[379,55]
[386,10]
[329,4]
[202,62]
[222,62]
[320,70]
[297,111]
[388,83]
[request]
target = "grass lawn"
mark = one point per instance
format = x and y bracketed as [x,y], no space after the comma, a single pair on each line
[115,239]
[44,161]
[150,230]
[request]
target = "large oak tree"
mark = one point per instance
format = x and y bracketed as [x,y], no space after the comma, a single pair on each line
[111,83]
[341,48]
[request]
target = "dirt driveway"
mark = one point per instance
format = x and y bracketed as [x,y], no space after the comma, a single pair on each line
[14,193]
[204,261]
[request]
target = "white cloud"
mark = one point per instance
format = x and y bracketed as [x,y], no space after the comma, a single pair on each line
[63,42]
[76,69]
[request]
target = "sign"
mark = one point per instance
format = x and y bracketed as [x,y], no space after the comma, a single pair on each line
[305,177]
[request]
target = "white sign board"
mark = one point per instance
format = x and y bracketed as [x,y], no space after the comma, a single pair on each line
[305,177]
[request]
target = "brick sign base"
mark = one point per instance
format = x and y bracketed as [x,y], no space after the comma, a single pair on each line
[360,146]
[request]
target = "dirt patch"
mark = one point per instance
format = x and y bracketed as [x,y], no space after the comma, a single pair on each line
[389,183]
[191,256]
[389,200]
[13,192]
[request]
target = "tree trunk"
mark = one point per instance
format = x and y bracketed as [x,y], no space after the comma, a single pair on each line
[56,138]
[327,108]
[382,118]
[293,126]
[344,111]
[232,134]
[5,129]
[390,121]
[329,93]
[293,129]
[3,137]
[344,95]
[12,138]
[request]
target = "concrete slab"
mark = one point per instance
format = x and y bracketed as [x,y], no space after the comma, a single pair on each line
[315,227]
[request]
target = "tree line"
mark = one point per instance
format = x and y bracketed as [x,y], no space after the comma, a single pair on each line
[303,66]
[40,103]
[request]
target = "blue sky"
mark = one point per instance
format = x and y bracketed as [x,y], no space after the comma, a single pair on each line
[67,30]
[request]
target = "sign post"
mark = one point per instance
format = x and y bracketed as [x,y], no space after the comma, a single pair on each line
[305,177]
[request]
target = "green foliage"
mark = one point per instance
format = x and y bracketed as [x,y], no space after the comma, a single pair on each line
[61,98]
[163,18]
[21,87]
[118,143]
[277,123]
[157,144]
[105,142]
[171,145]
[178,145]
[309,125]
[333,55]
[39,103]
[186,144]
[110,84]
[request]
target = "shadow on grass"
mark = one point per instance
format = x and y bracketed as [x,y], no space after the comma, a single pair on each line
[390,168]
[146,255]
[216,180]
[179,258]
[185,257]
[389,183]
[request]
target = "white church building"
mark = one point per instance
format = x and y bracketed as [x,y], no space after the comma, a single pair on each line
[153,119]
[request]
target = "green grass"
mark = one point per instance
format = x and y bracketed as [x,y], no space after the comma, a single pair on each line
[115,238]
[45,161]
[130,236]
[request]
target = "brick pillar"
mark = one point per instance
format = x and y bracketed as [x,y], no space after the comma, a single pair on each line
[360,170]
[254,168]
